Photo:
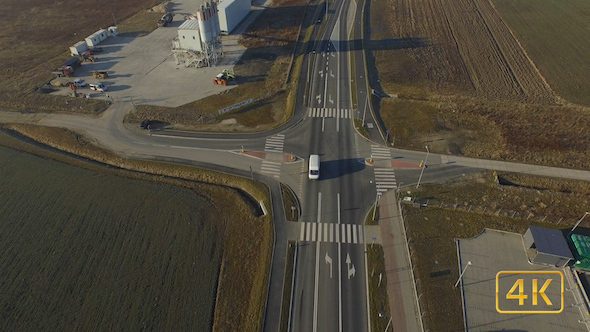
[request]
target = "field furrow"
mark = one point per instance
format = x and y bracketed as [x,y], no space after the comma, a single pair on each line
[523,69]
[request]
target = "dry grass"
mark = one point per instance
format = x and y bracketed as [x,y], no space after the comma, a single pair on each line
[432,232]
[240,285]
[378,299]
[527,195]
[449,73]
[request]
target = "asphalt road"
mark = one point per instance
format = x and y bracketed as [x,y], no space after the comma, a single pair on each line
[330,285]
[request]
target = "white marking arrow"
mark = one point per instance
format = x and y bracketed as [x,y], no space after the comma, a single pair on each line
[330,99]
[319,98]
[329,261]
[331,74]
[351,271]
[321,72]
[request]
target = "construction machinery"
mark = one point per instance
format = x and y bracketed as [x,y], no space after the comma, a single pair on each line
[224,77]
[165,20]
[65,71]
[100,74]
[87,57]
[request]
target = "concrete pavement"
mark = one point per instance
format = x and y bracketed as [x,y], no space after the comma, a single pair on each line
[401,290]
[566,173]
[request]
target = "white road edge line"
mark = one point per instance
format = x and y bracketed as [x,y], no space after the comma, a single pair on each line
[339,274]
[367,286]
[317,270]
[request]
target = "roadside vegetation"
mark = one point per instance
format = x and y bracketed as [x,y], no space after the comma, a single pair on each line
[262,74]
[462,209]
[378,300]
[288,286]
[36,40]
[464,83]
[229,250]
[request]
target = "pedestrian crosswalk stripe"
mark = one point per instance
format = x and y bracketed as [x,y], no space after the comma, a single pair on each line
[317,112]
[377,151]
[384,179]
[275,143]
[272,168]
[331,233]
[348,233]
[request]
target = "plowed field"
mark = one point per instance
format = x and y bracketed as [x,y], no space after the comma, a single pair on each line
[555,34]
[467,84]
[467,47]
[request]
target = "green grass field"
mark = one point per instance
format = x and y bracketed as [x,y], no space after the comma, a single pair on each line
[554,33]
[82,250]
[146,252]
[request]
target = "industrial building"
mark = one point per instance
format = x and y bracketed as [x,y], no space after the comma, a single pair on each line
[198,43]
[547,246]
[231,13]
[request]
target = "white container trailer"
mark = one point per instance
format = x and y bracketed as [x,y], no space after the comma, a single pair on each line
[113,31]
[95,38]
[231,13]
[189,37]
[78,48]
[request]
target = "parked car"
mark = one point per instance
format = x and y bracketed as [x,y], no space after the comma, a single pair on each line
[80,82]
[146,124]
[98,87]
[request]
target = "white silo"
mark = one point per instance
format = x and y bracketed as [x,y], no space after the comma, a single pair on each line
[204,25]
[216,28]
[211,21]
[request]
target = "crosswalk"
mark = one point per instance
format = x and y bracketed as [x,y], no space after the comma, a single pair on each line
[384,179]
[275,143]
[329,113]
[332,233]
[380,152]
[271,168]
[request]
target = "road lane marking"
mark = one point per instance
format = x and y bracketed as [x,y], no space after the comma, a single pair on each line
[319,232]
[308,234]
[339,275]
[302,232]
[313,227]
[361,238]
[331,232]
[325,232]
[354,239]
[348,232]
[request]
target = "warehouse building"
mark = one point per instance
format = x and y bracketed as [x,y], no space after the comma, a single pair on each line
[231,13]
[547,246]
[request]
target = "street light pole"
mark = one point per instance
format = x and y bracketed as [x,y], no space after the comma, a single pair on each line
[462,273]
[423,166]
[577,223]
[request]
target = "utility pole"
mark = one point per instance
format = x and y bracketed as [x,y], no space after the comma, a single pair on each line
[423,166]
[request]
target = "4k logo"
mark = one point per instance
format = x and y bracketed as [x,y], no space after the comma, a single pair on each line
[529,292]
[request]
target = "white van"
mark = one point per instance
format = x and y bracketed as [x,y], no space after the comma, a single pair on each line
[314,167]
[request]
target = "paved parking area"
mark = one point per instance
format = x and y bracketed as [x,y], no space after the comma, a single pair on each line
[494,251]
[143,69]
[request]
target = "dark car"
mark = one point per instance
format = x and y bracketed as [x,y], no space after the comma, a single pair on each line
[146,124]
